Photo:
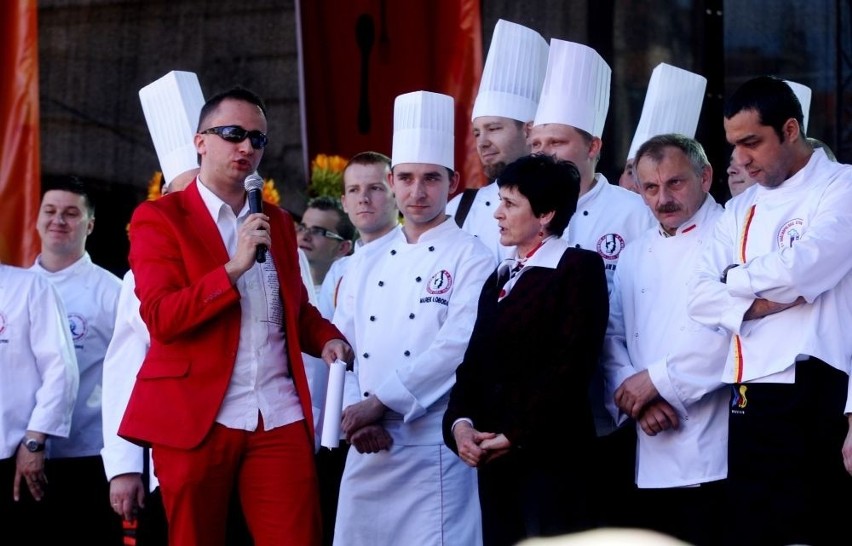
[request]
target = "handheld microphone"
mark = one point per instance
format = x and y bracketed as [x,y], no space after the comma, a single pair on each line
[254,187]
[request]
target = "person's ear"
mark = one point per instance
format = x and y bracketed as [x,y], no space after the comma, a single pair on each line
[345,248]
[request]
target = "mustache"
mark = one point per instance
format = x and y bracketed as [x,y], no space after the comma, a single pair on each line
[668,208]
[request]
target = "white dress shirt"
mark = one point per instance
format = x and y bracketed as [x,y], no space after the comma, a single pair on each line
[260,380]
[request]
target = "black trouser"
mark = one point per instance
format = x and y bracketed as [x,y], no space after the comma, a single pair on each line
[692,514]
[27,516]
[330,463]
[524,494]
[78,503]
[786,476]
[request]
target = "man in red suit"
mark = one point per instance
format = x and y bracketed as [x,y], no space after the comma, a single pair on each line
[222,396]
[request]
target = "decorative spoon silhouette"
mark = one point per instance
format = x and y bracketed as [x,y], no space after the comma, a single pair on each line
[364,36]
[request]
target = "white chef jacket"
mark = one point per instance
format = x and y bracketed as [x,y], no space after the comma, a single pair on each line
[327,295]
[649,329]
[307,280]
[480,220]
[124,356]
[607,218]
[38,368]
[408,311]
[792,240]
[90,295]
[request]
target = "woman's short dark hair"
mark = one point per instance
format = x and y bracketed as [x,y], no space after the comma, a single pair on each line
[549,184]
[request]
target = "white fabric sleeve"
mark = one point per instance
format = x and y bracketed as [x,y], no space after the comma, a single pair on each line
[122,362]
[56,361]
[810,266]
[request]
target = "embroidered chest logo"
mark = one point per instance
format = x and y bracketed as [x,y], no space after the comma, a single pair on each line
[2,322]
[79,326]
[440,282]
[790,232]
[610,246]
[739,399]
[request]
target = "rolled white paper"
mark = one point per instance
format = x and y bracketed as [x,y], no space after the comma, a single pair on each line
[333,405]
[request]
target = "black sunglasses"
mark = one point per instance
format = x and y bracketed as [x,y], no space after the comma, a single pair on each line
[235,134]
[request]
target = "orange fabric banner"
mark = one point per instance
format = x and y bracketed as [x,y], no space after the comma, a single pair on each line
[20,172]
[359,55]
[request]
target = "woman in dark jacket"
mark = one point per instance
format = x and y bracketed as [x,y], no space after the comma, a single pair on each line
[519,411]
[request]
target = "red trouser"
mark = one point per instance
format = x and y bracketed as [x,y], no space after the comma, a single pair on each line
[275,475]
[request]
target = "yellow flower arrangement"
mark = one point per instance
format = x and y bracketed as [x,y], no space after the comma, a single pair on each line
[155,186]
[270,194]
[327,175]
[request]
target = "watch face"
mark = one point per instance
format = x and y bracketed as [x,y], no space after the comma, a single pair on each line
[32,445]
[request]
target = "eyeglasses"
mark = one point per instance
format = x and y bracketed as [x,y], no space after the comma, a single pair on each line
[317,231]
[235,134]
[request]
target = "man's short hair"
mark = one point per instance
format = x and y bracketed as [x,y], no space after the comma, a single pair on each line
[344,226]
[71,184]
[655,147]
[772,99]
[234,93]
[368,158]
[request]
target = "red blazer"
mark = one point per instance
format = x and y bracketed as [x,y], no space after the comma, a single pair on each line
[193,315]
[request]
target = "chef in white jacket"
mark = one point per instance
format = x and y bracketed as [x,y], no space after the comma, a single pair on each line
[569,124]
[502,116]
[409,320]
[663,367]
[38,389]
[777,276]
[90,295]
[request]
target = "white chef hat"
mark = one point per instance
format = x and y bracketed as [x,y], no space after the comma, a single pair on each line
[803,93]
[423,129]
[672,105]
[171,106]
[514,71]
[576,88]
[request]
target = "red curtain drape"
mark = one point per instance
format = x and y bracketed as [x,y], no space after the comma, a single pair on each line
[358,55]
[19,130]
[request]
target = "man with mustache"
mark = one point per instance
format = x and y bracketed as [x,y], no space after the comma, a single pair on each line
[662,368]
